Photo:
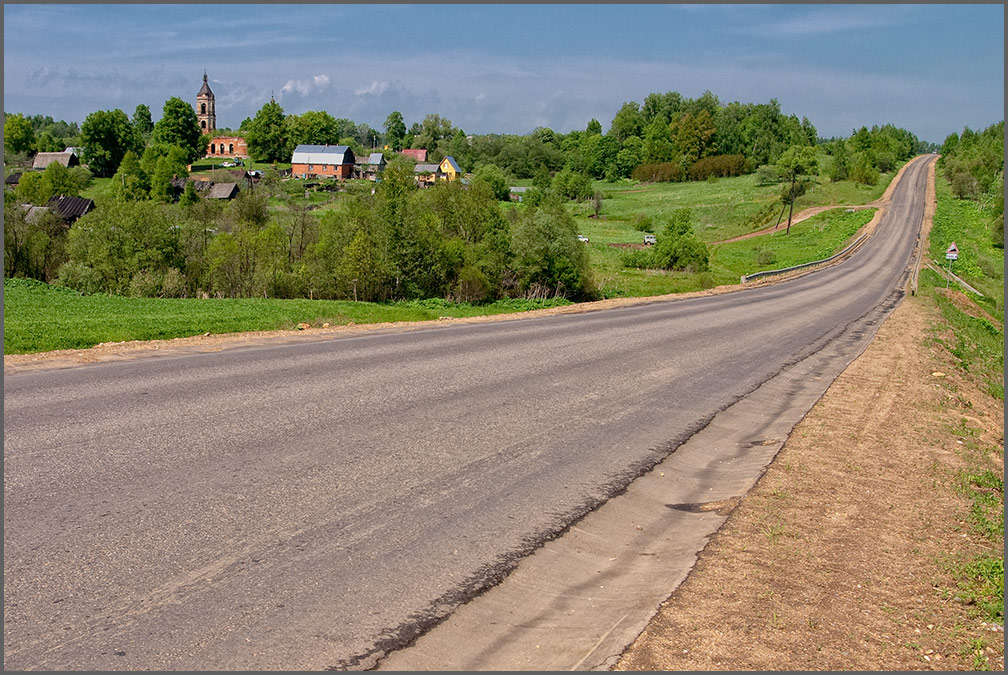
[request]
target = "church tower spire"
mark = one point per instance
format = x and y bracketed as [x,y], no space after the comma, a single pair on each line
[206,113]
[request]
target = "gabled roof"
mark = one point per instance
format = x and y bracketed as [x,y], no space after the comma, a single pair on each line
[69,208]
[13,179]
[322,154]
[44,159]
[376,158]
[223,191]
[427,168]
[451,161]
[33,212]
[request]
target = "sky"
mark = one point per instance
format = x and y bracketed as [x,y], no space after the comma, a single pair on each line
[931,69]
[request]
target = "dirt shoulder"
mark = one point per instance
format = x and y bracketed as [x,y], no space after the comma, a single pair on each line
[839,557]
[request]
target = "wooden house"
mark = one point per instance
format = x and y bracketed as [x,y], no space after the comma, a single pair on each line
[427,174]
[450,169]
[44,159]
[69,209]
[371,168]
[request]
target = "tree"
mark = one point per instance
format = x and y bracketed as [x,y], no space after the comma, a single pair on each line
[178,126]
[594,127]
[693,134]
[432,130]
[491,176]
[658,143]
[627,122]
[106,136]
[796,163]
[19,137]
[841,161]
[167,168]
[37,188]
[267,135]
[131,182]
[395,130]
[142,121]
[313,128]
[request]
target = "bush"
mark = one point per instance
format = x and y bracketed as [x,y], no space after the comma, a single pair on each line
[643,223]
[768,174]
[765,256]
[719,166]
[663,172]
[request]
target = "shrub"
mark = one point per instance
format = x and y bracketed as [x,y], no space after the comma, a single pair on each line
[663,172]
[765,256]
[719,166]
[768,174]
[643,223]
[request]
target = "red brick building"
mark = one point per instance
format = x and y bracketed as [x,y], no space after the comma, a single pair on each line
[228,146]
[323,161]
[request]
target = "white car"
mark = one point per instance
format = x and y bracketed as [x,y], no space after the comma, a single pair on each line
[583,239]
[650,239]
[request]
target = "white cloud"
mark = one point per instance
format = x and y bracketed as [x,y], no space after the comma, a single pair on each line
[376,88]
[305,87]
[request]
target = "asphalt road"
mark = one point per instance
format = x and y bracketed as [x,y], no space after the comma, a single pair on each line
[300,506]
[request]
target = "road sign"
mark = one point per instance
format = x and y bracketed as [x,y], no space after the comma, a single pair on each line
[952,253]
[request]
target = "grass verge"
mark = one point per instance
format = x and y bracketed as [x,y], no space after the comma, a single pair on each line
[39,317]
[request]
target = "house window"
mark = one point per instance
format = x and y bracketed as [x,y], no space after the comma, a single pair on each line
[203,123]
[231,148]
[203,109]
[311,167]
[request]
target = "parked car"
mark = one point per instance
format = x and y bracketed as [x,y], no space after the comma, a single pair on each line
[650,239]
[583,239]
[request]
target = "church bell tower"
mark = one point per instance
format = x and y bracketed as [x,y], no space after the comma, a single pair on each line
[206,113]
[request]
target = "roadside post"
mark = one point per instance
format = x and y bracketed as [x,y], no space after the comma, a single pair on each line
[951,254]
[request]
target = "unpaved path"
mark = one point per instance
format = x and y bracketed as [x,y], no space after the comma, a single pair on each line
[805,214]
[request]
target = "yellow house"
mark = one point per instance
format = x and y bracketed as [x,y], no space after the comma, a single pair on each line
[450,168]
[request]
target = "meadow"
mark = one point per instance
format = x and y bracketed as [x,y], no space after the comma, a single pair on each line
[39,317]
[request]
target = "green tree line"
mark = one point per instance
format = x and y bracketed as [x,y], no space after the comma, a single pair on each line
[973,164]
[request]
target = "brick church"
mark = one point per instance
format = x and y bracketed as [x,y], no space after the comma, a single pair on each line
[206,115]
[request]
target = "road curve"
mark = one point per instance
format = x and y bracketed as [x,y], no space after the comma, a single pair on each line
[302,506]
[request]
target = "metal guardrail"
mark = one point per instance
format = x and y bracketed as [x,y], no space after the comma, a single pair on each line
[934,265]
[847,251]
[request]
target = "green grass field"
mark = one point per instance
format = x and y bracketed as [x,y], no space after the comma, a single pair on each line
[39,317]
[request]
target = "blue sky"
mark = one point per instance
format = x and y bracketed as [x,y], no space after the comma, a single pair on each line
[932,69]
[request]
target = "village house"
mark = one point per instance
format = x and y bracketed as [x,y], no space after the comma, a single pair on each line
[69,209]
[450,169]
[44,159]
[427,174]
[226,191]
[371,168]
[322,161]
